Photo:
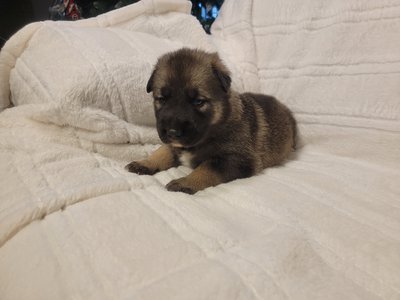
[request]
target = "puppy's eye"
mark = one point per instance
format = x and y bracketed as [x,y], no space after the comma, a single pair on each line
[160,99]
[198,102]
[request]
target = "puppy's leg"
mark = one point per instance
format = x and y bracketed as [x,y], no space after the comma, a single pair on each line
[201,177]
[162,159]
[213,172]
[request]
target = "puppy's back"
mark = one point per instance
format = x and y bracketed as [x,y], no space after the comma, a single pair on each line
[277,129]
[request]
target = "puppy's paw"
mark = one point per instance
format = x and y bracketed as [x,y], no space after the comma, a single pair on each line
[138,168]
[180,185]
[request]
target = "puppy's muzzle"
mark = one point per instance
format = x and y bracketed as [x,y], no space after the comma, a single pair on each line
[177,131]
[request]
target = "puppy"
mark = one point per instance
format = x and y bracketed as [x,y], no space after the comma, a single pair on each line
[207,126]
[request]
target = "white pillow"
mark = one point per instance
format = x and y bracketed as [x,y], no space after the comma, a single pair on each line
[102,62]
[105,68]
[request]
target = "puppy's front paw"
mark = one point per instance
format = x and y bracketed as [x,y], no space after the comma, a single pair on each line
[138,168]
[180,185]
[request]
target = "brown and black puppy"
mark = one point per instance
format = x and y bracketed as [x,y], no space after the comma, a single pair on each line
[205,125]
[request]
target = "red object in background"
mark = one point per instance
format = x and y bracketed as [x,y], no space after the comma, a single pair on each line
[71,10]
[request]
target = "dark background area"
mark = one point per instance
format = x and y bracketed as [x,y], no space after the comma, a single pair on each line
[14,14]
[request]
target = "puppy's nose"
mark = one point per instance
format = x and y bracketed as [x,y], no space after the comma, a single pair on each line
[174,133]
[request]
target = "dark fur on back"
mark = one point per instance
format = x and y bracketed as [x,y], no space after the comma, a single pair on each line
[221,134]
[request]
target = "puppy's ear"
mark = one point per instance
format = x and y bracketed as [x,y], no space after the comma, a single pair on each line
[221,72]
[149,86]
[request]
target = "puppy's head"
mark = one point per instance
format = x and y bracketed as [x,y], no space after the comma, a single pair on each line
[191,92]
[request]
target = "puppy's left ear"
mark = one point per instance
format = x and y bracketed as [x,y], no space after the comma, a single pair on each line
[149,86]
[221,72]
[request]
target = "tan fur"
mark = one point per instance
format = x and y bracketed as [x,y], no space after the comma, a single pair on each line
[236,107]
[217,115]
[162,159]
[261,136]
[201,177]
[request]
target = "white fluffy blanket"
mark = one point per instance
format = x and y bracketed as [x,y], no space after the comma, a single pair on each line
[75,225]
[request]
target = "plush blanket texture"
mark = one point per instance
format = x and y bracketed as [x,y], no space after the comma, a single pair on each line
[325,225]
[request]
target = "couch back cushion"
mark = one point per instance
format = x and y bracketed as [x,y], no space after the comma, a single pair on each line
[330,61]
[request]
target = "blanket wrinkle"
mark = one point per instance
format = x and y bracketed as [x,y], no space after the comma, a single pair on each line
[213,245]
[351,211]
[241,277]
[92,124]
[359,276]
[264,280]
[42,211]
[365,264]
